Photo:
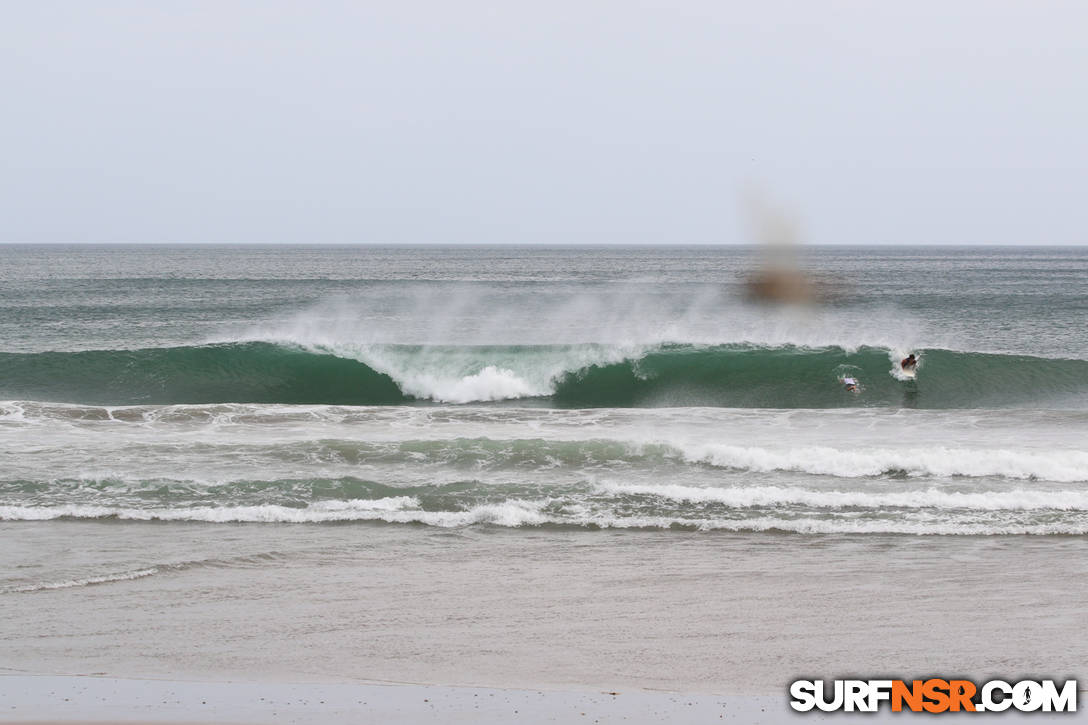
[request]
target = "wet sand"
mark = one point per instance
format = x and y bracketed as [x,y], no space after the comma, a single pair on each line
[91,699]
[325,623]
[42,700]
[555,609]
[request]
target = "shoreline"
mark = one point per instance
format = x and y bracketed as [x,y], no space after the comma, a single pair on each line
[563,610]
[85,699]
[88,698]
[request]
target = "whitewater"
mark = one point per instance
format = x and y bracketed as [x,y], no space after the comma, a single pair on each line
[592,465]
[591,390]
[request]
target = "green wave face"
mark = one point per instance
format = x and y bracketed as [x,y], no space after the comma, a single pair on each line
[789,377]
[232,373]
[671,375]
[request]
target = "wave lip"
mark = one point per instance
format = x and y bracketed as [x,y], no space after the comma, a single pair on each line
[571,376]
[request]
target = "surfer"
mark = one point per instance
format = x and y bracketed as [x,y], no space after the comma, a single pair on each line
[909,363]
[851,384]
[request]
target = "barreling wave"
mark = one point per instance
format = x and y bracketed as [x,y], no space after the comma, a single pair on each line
[575,376]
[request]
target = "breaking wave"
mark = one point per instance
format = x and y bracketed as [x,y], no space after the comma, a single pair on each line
[478,455]
[139,573]
[574,376]
[750,496]
[82,581]
[1050,465]
[774,514]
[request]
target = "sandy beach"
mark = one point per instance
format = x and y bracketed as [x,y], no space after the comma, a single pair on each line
[39,700]
[94,699]
[387,623]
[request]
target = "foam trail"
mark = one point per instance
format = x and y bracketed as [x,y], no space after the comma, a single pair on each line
[896,355]
[1066,466]
[289,466]
[510,513]
[1016,500]
[87,581]
[516,514]
[315,512]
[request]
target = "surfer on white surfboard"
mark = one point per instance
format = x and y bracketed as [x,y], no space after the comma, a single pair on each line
[909,364]
[850,384]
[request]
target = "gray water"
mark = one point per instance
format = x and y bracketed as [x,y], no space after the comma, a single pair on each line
[573,466]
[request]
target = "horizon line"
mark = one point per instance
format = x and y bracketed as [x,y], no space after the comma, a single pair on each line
[1037,245]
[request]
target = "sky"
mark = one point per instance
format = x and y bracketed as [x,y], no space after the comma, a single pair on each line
[550,122]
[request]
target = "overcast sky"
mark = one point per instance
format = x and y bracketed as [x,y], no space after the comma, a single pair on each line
[547,122]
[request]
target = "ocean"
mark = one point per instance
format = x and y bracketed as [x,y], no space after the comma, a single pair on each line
[526,465]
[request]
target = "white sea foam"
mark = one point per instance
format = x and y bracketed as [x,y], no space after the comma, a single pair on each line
[390,503]
[491,383]
[853,526]
[82,582]
[399,509]
[355,509]
[1015,500]
[1052,465]
[468,375]
[516,513]
[896,355]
